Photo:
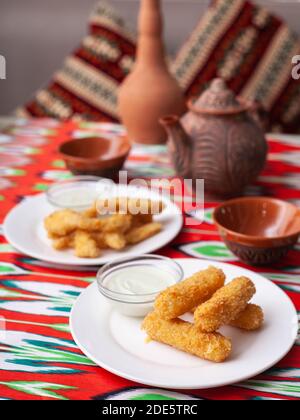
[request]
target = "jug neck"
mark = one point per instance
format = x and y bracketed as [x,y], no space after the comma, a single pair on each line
[150,49]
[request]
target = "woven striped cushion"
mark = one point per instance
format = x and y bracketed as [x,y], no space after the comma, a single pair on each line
[252,50]
[86,86]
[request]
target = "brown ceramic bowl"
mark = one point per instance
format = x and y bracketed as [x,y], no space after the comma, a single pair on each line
[95,156]
[259,230]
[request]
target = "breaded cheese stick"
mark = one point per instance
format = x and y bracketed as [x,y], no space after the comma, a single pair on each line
[225,305]
[184,296]
[186,337]
[251,319]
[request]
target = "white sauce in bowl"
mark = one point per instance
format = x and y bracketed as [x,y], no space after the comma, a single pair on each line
[140,280]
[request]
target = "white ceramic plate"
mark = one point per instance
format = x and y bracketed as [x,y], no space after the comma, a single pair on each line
[23,228]
[117,344]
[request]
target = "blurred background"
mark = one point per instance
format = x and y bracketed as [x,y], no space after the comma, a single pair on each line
[36,35]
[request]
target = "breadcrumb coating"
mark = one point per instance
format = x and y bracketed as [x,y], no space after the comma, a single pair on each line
[141,233]
[251,319]
[65,242]
[115,240]
[225,305]
[126,205]
[62,222]
[186,337]
[186,295]
[85,245]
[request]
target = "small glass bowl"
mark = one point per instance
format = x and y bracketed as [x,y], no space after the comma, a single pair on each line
[136,305]
[79,192]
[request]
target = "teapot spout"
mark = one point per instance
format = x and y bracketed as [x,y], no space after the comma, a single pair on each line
[175,130]
[179,144]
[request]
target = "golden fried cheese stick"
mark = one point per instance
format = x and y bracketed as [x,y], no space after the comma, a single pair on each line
[186,337]
[184,296]
[225,305]
[250,319]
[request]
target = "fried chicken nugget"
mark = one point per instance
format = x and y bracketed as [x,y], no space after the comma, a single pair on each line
[90,224]
[141,219]
[225,305]
[120,223]
[91,213]
[126,205]
[251,319]
[65,242]
[62,222]
[141,233]
[99,237]
[115,241]
[186,337]
[85,245]
[186,295]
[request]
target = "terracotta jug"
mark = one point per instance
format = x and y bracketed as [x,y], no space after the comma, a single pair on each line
[149,92]
[218,140]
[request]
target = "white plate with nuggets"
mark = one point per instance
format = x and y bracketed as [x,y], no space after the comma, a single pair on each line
[24,229]
[117,343]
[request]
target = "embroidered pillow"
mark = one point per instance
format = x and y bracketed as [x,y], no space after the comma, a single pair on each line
[252,50]
[86,86]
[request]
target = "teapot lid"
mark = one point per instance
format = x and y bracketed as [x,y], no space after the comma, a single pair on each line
[218,99]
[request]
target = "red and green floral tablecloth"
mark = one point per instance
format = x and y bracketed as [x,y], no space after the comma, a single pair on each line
[38,358]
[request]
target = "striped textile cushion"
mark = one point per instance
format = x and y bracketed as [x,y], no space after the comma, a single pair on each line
[86,86]
[252,50]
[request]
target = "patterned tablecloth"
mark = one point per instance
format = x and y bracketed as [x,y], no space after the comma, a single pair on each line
[38,358]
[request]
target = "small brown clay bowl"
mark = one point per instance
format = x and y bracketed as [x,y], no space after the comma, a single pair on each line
[96,155]
[258,230]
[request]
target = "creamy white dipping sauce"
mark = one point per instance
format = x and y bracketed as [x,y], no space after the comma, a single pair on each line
[76,197]
[138,280]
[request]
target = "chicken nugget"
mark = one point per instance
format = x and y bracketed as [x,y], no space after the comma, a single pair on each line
[90,225]
[64,242]
[85,245]
[90,213]
[186,337]
[142,233]
[144,206]
[115,241]
[186,295]
[141,219]
[120,223]
[99,237]
[127,205]
[62,222]
[225,305]
[251,319]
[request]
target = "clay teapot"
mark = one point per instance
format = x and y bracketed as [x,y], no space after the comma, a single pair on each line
[218,140]
[150,91]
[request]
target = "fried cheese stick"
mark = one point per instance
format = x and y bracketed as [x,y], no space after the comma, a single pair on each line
[225,305]
[186,337]
[184,296]
[251,319]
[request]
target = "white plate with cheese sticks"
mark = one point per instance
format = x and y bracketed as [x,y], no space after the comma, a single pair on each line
[117,343]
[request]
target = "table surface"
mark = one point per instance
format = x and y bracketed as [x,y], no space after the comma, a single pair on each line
[38,358]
